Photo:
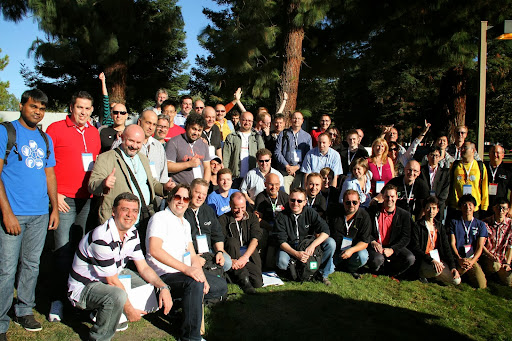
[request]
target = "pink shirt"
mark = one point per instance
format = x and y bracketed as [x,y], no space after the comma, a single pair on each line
[385,220]
[383,173]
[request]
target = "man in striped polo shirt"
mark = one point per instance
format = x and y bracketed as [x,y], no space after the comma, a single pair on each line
[101,256]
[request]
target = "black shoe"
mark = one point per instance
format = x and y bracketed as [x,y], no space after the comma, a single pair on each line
[356,275]
[3,337]
[246,286]
[28,322]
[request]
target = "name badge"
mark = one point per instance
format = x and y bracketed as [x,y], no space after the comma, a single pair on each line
[211,149]
[467,189]
[196,171]
[152,166]
[297,155]
[346,243]
[313,265]
[187,260]
[202,244]
[467,249]
[379,186]
[243,249]
[435,255]
[493,189]
[87,162]
[433,193]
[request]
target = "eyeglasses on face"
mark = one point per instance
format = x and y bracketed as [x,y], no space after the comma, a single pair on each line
[300,201]
[393,149]
[351,202]
[178,197]
[116,112]
[262,161]
[220,110]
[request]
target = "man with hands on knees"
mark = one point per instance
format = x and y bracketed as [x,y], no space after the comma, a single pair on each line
[101,257]
[171,254]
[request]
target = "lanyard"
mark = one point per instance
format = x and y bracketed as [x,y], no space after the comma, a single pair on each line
[467,171]
[312,202]
[296,139]
[351,158]
[82,132]
[432,176]
[408,195]
[196,213]
[274,204]
[192,148]
[467,228]
[148,148]
[348,226]
[431,235]
[208,136]
[379,169]
[493,173]
[239,232]
[296,216]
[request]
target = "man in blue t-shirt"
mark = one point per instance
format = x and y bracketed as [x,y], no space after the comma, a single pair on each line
[27,185]
[219,199]
[467,240]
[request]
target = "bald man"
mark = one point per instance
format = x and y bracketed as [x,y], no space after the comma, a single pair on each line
[109,134]
[272,200]
[242,233]
[199,107]
[115,170]
[211,133]
[411,189]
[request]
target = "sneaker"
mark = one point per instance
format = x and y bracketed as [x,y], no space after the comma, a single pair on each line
[122,327]
[326,281]
[3,336]
[28,322]
[56,311]
[356,275]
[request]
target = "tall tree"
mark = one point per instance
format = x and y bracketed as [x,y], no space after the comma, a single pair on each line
[7,100]
[138,44]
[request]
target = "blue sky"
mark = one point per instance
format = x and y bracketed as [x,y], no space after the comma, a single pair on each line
[16,39]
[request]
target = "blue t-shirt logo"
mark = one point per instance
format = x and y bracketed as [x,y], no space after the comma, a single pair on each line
[34,156]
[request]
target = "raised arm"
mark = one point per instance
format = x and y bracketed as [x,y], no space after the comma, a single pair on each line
[283,103]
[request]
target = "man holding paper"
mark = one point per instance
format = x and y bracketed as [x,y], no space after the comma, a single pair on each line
[101,256]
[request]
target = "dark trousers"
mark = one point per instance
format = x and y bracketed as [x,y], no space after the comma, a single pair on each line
[218,287]
[395,265]
[191,293]
[253,267]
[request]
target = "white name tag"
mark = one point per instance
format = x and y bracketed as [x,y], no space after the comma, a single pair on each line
[152,166]
[197,172]
[187,260]
[346,243]
[379,186]
[297,155]
[466,189]
[493,189]
[435,255]
[211,149]
[87,162]
[202,244]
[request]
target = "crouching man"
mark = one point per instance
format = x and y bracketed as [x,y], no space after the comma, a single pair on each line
[294,224]
[101,256]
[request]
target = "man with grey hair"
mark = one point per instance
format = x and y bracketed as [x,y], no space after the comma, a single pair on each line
[162,127]
[160,97]
[199,106]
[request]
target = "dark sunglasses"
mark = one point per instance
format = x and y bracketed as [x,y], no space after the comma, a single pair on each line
[115,112]
[353,202]
[220,110]
[300,201]
[199,107]
[261,161]
[393,149]
[178,197]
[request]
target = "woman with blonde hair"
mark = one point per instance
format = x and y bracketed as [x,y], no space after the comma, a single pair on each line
[381,165]
[359,180]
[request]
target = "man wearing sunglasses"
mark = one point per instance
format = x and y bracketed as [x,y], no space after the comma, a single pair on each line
[351,229]
[109,134]
[294,224]
[199,107]
[254,182]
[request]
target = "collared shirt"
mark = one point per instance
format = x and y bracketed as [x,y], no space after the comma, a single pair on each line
[180,119]
[175,234]
[254,182]
[155,152]
[101,254]
[137,168]
[287,143]
[384,226]
[315,161]
[499,240]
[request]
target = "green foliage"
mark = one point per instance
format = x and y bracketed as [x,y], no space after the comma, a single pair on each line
[8,101]
[139,45]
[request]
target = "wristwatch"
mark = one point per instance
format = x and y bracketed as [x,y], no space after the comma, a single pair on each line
[158,290]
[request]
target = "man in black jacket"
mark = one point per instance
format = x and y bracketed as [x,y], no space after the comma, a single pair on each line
[242,233]
[437,179]
[295,223]
[351,230]
[391,231]
[352,152]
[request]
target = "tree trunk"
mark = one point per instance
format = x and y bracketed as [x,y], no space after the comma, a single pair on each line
[292,60]
[116,74]
[453,101]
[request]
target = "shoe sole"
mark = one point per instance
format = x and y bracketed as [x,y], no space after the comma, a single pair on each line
[29,329]
[54,319]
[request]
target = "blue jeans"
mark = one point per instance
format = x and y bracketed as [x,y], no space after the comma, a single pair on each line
[357,260]
[327,266]
[25,248]
[67,237]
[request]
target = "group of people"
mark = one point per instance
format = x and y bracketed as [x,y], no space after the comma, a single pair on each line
[195,200]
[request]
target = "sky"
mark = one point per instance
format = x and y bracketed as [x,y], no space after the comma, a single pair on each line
[16,39]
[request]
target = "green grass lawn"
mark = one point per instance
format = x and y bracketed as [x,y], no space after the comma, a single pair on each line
[366,309]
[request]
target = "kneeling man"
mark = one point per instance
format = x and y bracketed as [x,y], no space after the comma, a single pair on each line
[101,256]
[295,223]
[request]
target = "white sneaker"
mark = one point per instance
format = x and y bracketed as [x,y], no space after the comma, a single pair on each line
[56,311]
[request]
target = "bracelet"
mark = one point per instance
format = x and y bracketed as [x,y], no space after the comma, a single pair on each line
[219,251]
[159,290]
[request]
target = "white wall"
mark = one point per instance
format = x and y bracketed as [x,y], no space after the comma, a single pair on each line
[49,117]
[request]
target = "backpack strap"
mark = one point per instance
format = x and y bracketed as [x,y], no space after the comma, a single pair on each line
[11,141]
[45,138]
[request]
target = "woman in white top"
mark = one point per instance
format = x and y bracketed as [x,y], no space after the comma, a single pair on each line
[359,180]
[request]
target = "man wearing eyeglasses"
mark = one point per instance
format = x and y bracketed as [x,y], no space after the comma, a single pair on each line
[108,134]
[454,149]
[295,223]
[169,109]
[437,178]
[254,182]
[411,189]
[198,107]
[162,127]
[240,149]
[351,230]
[500,177]
[325,123]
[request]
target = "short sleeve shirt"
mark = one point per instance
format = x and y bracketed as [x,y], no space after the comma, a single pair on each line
[476,229]
[179,149]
